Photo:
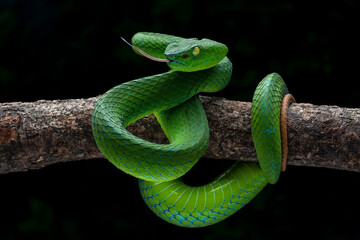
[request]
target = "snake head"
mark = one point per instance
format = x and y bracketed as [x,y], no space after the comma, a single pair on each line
[191,55]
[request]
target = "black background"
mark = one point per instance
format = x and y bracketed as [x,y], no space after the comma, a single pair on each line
[72,49]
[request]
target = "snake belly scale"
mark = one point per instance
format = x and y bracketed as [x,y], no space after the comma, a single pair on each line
[196,66]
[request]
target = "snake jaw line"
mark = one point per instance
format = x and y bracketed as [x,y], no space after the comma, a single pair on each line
[146,54]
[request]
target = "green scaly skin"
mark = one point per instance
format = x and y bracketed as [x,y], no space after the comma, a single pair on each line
[265,124]
[197,66]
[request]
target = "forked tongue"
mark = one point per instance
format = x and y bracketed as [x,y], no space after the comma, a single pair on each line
[145,54]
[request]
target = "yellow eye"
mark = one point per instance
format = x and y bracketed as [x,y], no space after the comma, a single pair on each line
[196,51]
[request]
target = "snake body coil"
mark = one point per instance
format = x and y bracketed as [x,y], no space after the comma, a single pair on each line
[197,66]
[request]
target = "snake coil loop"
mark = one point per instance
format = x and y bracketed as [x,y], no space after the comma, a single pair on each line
[197,66]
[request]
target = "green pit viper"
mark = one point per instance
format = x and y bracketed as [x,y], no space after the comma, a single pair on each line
[196,66]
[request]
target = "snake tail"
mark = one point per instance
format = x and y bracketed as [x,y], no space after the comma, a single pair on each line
[287,100]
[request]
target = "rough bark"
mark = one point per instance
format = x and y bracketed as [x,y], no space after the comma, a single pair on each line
[36,134]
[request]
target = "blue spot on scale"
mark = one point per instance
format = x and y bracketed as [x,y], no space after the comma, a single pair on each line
[269,131]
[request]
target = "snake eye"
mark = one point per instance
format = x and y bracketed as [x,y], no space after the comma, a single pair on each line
[196,51]
[185,55]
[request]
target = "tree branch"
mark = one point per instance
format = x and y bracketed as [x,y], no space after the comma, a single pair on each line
[37,134]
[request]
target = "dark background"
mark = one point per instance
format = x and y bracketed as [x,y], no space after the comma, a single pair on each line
[72,49]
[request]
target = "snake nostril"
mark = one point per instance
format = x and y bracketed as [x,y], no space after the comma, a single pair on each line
[185,55]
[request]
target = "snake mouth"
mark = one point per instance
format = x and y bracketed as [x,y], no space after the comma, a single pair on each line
[146,54]
[175,61]
[167,59]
